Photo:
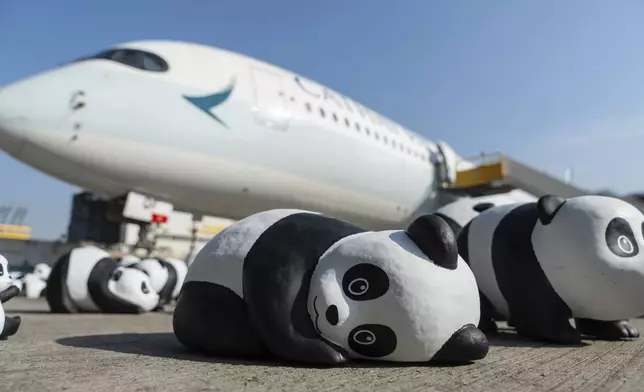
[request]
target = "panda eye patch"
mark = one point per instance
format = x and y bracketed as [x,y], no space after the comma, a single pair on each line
[117,275]
[1,270]
[620,238]
[144,288]
[364,282]
[373,340]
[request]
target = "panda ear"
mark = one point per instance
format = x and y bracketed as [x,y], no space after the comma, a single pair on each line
[547,207]
[482,207]
[436,239]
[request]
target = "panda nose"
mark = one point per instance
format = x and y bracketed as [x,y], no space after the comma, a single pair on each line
[332,315]
[467,344]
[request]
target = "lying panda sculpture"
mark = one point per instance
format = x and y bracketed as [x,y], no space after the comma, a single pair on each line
[8,325]
[166,277]
[127,260]
[311,288]
[541,263]
[86,279]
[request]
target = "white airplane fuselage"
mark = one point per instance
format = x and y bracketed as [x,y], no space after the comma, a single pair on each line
[217,133]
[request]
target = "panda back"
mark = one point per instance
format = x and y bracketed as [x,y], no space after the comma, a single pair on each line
[81,263]
[221,260]
[480,234]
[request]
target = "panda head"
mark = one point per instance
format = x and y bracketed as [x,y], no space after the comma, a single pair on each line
[133,286]
[5,278]
[42,271]
[398,296]
[592,251]
[155,270]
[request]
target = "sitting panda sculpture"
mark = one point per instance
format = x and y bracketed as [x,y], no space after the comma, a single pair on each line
[166,277]
[310,288]
[35,283]
[542,263]
[8,325]
[86,279]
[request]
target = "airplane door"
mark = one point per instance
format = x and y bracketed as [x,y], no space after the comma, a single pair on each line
[449,162]
[270,101]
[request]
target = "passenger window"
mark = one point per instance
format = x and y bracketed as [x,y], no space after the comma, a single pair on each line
[308,107]
[322,112]
[335,118]
[357,127]
[346,121]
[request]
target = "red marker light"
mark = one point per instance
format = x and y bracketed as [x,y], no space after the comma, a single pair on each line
[156,218]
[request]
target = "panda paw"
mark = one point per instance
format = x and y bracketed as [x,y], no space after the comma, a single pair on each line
[11,325]
[488,326]
[607,330]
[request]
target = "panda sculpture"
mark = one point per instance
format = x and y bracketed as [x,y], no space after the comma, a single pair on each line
[8,325]
[459,213]
[544,262]
[127,260]
[310,288]
[35,283]
[86,279]
[166,277]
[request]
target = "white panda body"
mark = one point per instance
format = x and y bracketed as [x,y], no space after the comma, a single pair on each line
[541,263]
[81,263]
[1,318]
[317,289]
[181,269]
[86,279]
[33,285]
[229,248]
[480,240]
[8,290]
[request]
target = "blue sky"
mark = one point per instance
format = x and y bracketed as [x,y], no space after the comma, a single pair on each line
[552,83]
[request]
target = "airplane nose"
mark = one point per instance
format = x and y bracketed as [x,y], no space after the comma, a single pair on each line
[11,137]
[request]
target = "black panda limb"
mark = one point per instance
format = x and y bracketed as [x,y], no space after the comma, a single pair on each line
[10,328]
[9,293]
[228,331]
[607,330]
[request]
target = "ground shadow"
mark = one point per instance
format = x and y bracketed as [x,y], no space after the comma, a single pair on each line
[508,337]
[15,312]
[166,345]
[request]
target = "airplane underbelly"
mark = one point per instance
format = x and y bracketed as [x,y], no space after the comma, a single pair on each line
[201,183]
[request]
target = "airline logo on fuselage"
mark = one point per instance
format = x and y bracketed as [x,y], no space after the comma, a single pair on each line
[208,102]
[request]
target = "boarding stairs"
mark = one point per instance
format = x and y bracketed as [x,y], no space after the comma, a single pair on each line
[496,173]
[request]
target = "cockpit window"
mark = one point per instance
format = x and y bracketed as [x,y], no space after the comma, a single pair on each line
[134,58]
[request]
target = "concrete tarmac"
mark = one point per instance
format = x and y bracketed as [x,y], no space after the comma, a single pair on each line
[95,353]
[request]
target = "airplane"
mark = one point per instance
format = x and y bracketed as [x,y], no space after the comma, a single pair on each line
[216,132]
